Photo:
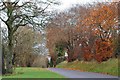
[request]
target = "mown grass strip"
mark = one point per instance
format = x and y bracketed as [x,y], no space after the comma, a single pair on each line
[107,67]
[33,73]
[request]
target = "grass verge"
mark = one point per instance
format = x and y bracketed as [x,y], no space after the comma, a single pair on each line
[108,67]
[33,73]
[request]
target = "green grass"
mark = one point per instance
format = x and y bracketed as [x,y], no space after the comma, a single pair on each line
[107,67]
[33,73]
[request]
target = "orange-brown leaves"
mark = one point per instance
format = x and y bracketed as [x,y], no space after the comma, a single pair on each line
[88,56]
[104,15]
[88,31]
[104,50]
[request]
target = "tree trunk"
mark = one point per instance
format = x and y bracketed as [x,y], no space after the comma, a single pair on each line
[9,66]
[0,60]
[3,66]
[9,55]
[3,60]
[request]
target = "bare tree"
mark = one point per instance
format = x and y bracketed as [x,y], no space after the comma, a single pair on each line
[15,14]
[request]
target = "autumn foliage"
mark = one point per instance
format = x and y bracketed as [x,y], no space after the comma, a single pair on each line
[88,56]
[88,32]
[104,50]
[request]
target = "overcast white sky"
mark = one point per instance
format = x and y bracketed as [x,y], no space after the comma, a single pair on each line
[67,3]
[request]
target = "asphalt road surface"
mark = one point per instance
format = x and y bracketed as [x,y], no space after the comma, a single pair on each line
[78,74]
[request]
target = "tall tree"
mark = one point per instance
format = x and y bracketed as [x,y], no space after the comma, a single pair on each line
[102,20]
[16,14]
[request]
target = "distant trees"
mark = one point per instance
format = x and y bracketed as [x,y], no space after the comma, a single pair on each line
[40,61]
[88,32]
[23,50]
[55,42]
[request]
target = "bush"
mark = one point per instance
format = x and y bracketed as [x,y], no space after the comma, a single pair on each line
[40,61]
[60,59]
[104,50]
[88,56]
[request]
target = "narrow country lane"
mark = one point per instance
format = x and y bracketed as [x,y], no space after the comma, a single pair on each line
[78,74]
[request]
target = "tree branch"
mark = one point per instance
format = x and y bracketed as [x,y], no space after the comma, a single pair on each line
[17,6]
[3,20]
[2,8]
[45,8]
[19,24]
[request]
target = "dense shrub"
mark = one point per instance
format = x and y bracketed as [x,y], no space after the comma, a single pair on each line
[40,61]
[88,56]
[104,50]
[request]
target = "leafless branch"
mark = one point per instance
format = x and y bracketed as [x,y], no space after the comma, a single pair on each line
[3,20]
